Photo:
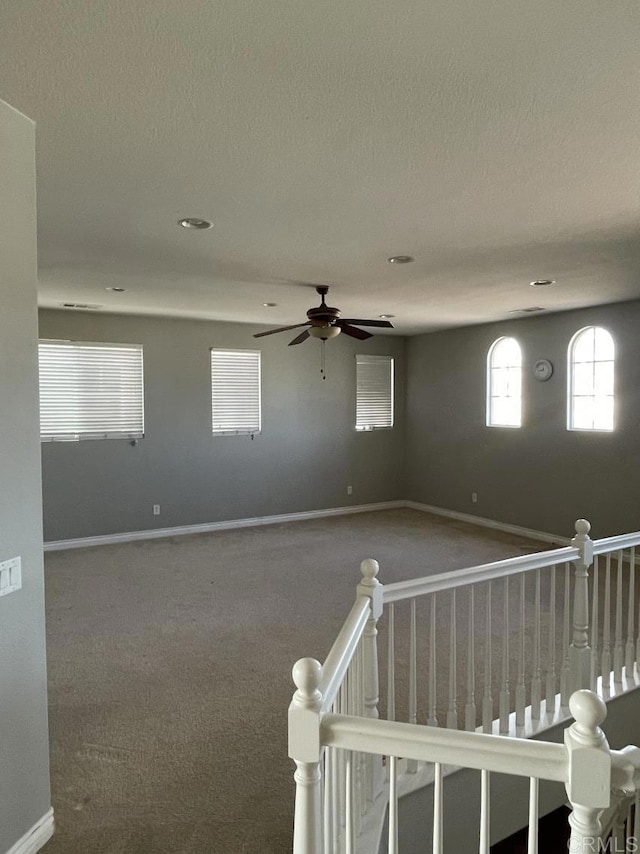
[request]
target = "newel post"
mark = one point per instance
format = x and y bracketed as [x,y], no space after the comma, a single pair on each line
[589,772]
[372,589]
[305,749]
[580,649]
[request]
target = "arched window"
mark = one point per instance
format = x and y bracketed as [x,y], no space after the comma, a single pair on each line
[504,384]
[591,366]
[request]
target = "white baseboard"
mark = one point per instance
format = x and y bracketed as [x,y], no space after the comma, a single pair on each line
[34,839]
[156,533]
[489,523]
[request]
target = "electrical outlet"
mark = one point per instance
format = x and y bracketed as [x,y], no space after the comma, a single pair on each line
[156,509]
[10,576]
[349,490]
[474,497]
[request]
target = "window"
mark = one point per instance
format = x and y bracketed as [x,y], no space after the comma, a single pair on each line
[374,392]
[90,391]
[504,384]
[235,391]
[591,366]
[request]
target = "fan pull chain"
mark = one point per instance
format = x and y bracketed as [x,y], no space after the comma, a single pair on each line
[322,359]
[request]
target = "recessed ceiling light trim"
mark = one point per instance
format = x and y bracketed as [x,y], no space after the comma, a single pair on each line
[269,304]
[116,290]
[401,259]
[542,283]
[386,316]
[195,223]
[529,310]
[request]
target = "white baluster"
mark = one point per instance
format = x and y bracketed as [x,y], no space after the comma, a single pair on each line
[551,664]
[565,674]
[485,813]
[452,711]
[618,650]
[349,817]
[304,749]
[412,765]
[335,796]
[393,806]
[470,707]
[532,843]
[520,689]
[595,626]
[606,630]
[438,812]
[630,647]
[638,640]
[432,719]
[580,652]
[636,816]
[391,666]
[487,697]
[358,782]
[536,682]
[371,587]
[505,697]
[589,770]
[327,802]
[341,792]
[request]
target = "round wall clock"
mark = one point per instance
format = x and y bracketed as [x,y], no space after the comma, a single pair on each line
[542,370]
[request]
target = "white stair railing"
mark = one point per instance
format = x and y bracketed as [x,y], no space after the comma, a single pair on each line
[602,785]
[554,634]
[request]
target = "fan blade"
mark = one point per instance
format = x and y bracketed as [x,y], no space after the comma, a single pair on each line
[355,333]
[383,324]
[302,337]
[280,329]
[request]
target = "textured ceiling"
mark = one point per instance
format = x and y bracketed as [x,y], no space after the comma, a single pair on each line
[496,141]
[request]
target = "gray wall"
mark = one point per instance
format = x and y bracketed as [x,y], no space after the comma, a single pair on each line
[304,459]
[541,476]
[24,763]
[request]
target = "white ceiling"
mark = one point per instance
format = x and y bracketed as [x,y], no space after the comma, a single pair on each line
[495,141]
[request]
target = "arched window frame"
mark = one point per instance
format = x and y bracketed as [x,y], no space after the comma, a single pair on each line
[510,372]
[602,396]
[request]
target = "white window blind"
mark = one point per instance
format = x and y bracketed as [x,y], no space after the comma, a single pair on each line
[90,390]
[374,392]
[235,391]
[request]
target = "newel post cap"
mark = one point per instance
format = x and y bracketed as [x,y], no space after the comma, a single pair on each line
[582,528]
[307,673]
[369,569]
[589,711]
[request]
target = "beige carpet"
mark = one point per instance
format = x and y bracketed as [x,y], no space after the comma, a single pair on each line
[169,672]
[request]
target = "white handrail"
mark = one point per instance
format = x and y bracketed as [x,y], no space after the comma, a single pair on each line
[481,751]
[620,541]
[337,661]
[475,574]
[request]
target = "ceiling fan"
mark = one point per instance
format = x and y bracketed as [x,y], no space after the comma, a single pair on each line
[325,322]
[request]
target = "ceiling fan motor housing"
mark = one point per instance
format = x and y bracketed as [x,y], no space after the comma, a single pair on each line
[324,315]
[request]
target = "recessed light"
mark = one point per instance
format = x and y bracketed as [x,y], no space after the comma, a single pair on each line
[401,259]
[542,283]
[195,223]
[386,316]
[529,310]
[116,290]
[269,304]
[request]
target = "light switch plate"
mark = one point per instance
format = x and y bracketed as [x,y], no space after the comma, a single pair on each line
[10,576]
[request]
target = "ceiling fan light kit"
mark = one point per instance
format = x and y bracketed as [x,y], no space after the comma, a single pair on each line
[324,332]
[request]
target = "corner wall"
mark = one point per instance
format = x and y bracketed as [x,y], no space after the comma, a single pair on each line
[540,476]
[304,459]
[24,759]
